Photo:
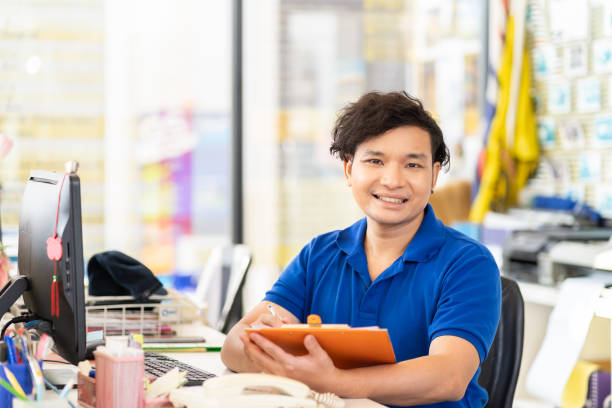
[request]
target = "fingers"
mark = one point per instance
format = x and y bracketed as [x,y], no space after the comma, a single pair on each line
[268,320]
[312,345]
[315,368]
[266,355]
[315,349]
[254,353]
[270,348]
[317,352]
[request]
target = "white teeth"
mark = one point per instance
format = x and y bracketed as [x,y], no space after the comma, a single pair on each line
[392,200]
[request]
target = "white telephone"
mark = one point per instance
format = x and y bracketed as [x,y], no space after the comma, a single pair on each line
[253,391]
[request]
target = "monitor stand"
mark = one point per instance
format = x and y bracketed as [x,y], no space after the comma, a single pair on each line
[11,292]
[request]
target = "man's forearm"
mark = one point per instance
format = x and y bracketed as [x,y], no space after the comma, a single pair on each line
[420,381]
[443,375]
[232,353]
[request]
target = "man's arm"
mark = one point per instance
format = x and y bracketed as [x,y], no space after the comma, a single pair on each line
[443,375]
[232,353]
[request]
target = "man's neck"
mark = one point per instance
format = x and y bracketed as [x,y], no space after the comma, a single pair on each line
[384,244]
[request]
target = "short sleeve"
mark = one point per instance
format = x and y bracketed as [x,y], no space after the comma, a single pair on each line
[470,301]
[289,291]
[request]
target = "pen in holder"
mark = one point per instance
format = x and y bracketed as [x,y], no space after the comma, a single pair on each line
[119,381]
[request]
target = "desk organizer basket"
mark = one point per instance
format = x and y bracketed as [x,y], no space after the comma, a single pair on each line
[121,315]
[87,395]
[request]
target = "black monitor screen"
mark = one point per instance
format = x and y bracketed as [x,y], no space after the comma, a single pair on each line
[39,214]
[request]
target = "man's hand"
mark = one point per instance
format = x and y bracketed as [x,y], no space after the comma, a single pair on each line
[315,369]
[233,354]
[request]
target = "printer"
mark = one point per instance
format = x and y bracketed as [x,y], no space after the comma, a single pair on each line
[568,258]
[549,255]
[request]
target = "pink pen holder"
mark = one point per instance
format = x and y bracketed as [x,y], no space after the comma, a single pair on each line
[119,381]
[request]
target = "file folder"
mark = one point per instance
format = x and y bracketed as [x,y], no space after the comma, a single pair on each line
[348,347]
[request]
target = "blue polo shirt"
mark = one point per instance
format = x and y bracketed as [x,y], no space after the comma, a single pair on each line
[445,283]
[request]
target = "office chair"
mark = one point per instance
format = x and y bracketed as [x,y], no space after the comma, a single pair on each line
[220,285]
[500,369]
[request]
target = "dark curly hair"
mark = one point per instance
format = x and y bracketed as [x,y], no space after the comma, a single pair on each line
[374,114]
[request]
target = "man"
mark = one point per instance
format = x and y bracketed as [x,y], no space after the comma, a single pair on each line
[435,290]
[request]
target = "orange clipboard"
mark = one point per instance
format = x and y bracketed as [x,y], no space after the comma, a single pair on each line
[348,347]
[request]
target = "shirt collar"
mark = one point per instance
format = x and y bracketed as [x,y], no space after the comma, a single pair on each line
[426,242]
[351,239]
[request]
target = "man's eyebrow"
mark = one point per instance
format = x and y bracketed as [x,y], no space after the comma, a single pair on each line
[377,153]
[416,156]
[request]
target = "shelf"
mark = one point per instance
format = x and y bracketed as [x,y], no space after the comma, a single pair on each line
[530,403]
[548,296]
[539,294]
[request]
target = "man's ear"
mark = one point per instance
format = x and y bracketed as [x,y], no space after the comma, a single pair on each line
[348,168]
[434,175]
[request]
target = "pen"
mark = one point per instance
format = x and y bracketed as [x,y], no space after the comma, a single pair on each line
[11,352]
[66,388]
[10,389]
[14,383]
[37,378]
[55,390]
[29,343]
[44,345]
[24,347]
[271,309]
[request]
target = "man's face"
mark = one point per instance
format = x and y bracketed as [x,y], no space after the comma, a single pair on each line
[392,175]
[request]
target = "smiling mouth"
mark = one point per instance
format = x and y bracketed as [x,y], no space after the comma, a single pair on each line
[390,199]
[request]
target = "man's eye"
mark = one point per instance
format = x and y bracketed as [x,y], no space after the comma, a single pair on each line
[375,161]
[414,165]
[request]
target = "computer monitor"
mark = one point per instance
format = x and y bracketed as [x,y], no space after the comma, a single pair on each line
[52,203]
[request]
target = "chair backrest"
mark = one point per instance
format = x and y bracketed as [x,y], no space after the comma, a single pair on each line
[500,370]
[220,285]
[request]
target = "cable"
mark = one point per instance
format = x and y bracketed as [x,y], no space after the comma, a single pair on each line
[57,361]
[18,319]
[31,323]
[43,326]
[55,253]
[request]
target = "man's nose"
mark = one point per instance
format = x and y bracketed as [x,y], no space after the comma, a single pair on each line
[392,176]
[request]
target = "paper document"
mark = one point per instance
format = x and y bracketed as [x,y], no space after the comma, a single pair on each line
[567,329]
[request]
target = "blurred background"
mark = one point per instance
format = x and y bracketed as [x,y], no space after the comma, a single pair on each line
[140,93]
[154,97]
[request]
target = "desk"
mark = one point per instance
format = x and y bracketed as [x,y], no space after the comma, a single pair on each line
[211,361]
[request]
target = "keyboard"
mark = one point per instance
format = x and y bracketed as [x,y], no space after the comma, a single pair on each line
[157,365]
